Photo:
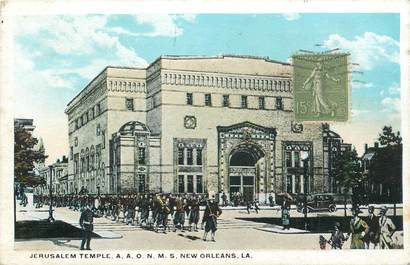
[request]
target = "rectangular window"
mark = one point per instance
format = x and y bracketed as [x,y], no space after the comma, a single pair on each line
[141,155]
[289,183]
[199,188]
[225,100]
[190,184]
[154,101]
[76,124]
[189,99]
[71,152]
[97,109]
[296,157]
[181,184]
[199,156]
[244,102]
[76,166]
[208,100]
[261,102]
[98,130]
[288,158]
[141,182]
[279,103]
[189,156]
[297,184]
[247,180]
[180,156]
[129,104]
[235,180]
[103,139]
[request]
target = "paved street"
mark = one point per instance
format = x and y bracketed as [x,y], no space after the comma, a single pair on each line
[232,234]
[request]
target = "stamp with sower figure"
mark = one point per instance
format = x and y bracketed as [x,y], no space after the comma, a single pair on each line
[321,87]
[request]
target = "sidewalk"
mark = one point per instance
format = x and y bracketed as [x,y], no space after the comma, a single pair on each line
[30,213]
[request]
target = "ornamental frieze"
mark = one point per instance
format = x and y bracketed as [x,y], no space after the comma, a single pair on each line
[278,84]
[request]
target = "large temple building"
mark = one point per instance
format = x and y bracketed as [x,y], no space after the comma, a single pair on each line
[197,124]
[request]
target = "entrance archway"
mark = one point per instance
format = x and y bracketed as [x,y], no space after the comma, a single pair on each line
[245,162]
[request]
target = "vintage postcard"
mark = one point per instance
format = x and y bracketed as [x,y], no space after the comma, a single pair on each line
[170,132]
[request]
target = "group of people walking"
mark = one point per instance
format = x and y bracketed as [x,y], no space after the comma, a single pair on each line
[150,211]
[371,232]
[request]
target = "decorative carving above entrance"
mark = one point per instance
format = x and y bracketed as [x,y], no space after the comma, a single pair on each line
[247,130]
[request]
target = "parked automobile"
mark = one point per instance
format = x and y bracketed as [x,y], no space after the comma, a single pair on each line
[316,202]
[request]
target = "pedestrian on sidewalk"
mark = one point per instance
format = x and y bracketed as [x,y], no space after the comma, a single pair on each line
[86,223]
[372,236]
[337,237]
[270,200]
[387,229]
[358,228]
[256,204]
[212,212]
[286,214]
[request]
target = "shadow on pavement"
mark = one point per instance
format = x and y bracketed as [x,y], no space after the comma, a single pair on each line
[43,229]
[64,243]
[189,237]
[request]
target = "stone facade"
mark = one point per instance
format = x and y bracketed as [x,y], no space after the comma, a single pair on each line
[194,124]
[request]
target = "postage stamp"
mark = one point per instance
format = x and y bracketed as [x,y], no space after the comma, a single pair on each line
[321,87]
[204,138]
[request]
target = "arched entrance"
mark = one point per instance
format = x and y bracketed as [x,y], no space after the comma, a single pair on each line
[245,163]
[246,154]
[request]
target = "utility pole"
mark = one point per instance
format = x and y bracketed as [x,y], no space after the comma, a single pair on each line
[50,217]
[305,187]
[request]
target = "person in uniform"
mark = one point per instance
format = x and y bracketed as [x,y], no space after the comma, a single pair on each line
[212,212]
[86,223]
[194,214]
[179,217]
[387,229]
[358,228]
[372,236]
[144,205]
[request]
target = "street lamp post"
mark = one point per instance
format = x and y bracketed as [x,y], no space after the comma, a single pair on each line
[305,160]
[50,217]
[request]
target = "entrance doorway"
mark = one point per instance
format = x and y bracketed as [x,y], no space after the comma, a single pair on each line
[242,173]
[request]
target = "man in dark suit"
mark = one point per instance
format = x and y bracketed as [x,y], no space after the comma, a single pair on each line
[86,223]
[372,236]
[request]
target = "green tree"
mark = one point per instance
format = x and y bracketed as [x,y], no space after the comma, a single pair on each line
[25,157]
[348,174]
[388,137]
[387,164]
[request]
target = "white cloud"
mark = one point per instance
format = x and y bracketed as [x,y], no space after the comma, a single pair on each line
[359,85]
[394,89]
[291,16]
[391,104]
[367,50]
[164,24]
[356,112]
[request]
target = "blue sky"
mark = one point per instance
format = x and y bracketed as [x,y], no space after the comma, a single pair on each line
[56,56]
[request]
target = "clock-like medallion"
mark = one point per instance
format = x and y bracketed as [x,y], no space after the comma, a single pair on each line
[190,122]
